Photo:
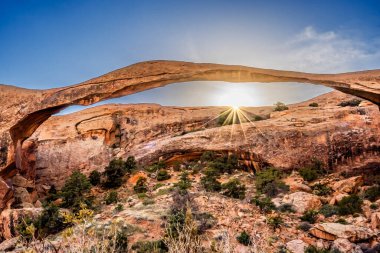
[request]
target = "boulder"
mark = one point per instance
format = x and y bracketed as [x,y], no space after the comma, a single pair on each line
[358,220]
[322,244]
[366,209]
[344,245]
[349,185]
[302,201]
[6,194]
[20,181]
[296,183]
[8,245]
[333,231]
[22,195]
[9,218]
[337,196]
[375,220]
[375,249]
[296,246]
[38,204]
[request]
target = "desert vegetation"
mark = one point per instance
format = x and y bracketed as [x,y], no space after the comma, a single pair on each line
[125,189]
[279,106]
[352,102]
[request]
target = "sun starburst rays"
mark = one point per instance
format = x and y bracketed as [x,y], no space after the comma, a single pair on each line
[239,121]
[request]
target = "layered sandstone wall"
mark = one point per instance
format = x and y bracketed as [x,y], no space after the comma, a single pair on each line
[88,140]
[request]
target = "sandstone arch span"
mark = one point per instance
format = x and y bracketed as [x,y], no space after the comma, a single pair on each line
[23,110]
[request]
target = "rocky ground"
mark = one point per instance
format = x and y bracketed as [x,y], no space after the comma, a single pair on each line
[146,214]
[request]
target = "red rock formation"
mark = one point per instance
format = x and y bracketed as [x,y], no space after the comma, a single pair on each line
[88,140]
[22,110]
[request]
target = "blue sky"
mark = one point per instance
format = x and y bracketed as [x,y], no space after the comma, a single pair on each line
[49,43]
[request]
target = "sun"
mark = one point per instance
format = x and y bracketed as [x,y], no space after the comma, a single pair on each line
[235,107]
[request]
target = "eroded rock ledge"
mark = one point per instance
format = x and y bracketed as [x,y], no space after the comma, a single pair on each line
[341,137]
[23,110]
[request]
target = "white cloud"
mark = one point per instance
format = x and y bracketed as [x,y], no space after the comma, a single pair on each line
[309,33]
[309,50]
[329,52]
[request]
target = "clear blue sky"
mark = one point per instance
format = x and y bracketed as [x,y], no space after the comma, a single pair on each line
[50,43]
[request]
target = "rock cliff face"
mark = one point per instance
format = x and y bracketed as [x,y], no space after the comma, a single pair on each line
[339,136]
[89,139]
[23,111]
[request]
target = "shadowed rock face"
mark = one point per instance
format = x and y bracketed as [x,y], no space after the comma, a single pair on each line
[341,137]
[23,110]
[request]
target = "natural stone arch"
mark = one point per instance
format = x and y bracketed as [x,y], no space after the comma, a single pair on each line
[23,110]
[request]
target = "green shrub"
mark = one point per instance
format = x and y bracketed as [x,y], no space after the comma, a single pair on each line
[310,216]
[74,191]
[321,189]
[372,193]
[22,228]
[195,168]
[148,201]
[156,167]
[314,171]
[352,102]
[350,205]
[142,195]
[304,226]
[207,156]
[164,191]
[257,118]
[313,249]
[264,203]
[341,221]
[175,222]
[211,172]
[373,206]
[224,164]
[266,177]
[227,118]
[279,106]
[272,189]
[328,210]
[211,184]
[313,104]
[184,182]
[114,173]
[150,247]
[244,238]
[309,174]
[111,198]
[177,166]
[52,194]
[119,208]
[286,208]
[163,175]
[95,177]
[130,164]
[205,221]
[275,222]
[140,186]
[210,181]
[157,186]
[50,221]
[234,189]
[121,242]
